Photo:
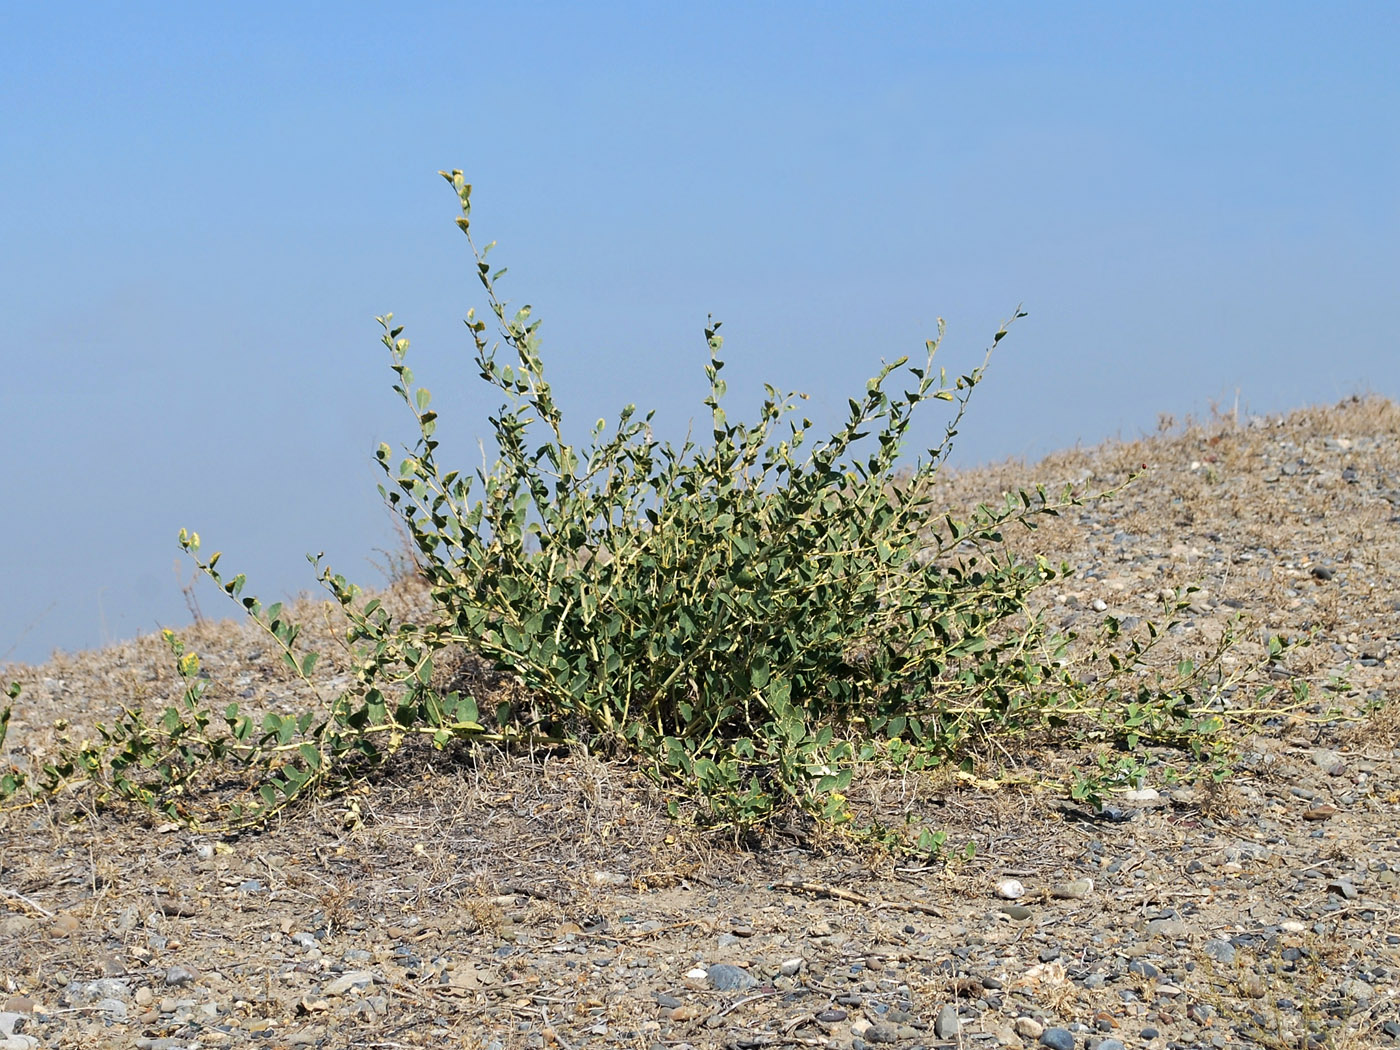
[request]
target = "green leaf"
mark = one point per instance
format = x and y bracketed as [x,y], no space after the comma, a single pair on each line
[310,756]
[758,671]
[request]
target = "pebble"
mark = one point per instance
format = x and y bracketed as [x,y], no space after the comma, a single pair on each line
[1010,889]
[1057,1038]
[882,1032]
[1029,1028]
[180,975]
[947,1024]
[1221,951]
[355,980]
[1075,889]
[725,977]
[1343,888]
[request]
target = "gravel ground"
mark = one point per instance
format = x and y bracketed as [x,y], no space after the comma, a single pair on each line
[485,901]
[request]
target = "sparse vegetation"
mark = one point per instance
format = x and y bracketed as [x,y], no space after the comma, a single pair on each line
[757,620]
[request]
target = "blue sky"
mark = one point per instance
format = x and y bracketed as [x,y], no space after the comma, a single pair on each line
[206,207]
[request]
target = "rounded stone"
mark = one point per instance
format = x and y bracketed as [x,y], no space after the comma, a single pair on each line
[947,1025]
[725,977]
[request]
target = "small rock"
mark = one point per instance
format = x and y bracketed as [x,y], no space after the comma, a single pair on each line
[947,1025]
[102,988]
[1358,989]
[1252,986]
[1343,888]
[882,1032]
[1220,951]
[1075,889]
[1057,1039]
[111,1009]
[1019,912]
[1143,968]
[790,967]
[1171,929]
[1141,795]
[1323,812]
[725,977]
[354,980]
[180,975]
[1029,1028]
[831,1016]
[1010,889]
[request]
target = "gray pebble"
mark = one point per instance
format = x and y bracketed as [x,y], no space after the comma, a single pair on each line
[1075,889]
[1057,1039]
[946,1027]
[1355,988]
[725,977]
[112,1009]
[102,988]
[354,980]
[882,1032]
[1143,968]
[1343,888]
[179,975]
[1220,951]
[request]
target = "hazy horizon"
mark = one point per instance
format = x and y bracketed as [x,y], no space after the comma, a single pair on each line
[208,208]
